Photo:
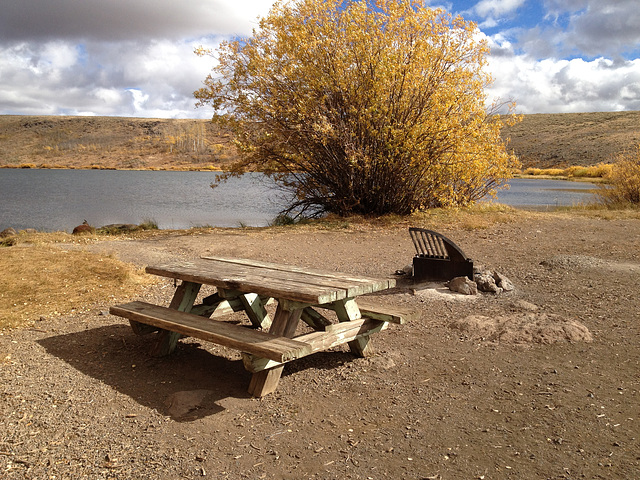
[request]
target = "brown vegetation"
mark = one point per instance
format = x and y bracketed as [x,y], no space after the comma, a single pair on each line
[623,187]
[39,279]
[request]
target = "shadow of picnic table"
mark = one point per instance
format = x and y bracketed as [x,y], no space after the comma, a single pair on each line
[187,385]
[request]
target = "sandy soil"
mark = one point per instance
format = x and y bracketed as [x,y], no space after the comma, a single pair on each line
[483,387]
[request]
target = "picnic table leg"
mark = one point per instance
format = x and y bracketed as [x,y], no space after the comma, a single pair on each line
[347,310]
[183,299]
[284,324]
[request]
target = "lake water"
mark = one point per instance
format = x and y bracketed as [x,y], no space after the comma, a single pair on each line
[51,200]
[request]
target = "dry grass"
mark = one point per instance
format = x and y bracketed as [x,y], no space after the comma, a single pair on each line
[42,280]
[475,217]
[591,172]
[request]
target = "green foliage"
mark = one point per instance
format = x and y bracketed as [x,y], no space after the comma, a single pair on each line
[8,242]
[282,220]
[624,180]
[362,107]
[149,224]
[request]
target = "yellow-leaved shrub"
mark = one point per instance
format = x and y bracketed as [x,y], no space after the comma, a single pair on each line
[362,107]
[623,181]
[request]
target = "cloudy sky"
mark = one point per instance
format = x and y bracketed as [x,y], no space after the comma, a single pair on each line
[135,57]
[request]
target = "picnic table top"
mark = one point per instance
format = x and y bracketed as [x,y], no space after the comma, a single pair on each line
[305,285]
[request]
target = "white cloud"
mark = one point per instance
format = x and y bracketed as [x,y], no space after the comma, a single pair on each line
[590,28]
[606,28]
[123,57]
[89,57]
[564,86]
[497,8]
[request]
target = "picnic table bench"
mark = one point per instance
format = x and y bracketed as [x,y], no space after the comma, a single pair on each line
[248,286]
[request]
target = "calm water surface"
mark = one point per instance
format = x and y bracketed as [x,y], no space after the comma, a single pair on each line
[52,200]
[61,199]
[543,194]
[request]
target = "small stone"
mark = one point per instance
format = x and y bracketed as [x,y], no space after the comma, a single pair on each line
[463,285]
[503,282]
[525,306]
[406,270]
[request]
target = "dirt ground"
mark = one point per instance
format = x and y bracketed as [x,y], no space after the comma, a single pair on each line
[476,387]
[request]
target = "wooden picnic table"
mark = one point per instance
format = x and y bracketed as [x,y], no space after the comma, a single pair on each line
[248,286]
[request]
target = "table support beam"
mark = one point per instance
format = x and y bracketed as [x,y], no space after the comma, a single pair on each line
[183,299]
[284,324]
[347,310]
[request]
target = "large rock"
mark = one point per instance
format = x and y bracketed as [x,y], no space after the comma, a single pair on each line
[8,232]
[84,228]
[486,283]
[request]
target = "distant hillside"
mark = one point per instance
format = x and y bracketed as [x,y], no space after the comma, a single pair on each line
[543,140]
[566,139]
[112,142]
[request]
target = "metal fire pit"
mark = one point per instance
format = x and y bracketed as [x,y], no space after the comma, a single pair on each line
[438,258]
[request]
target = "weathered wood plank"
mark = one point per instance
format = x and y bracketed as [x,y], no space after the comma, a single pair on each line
[336,334]
[361,347]
[262,344]
[370,309]
[346,309]
[214,306]
[314,319]
[232,278]
[353,284]
[255,310]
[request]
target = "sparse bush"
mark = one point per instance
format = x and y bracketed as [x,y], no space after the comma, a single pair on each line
[601,170]
[282,220]
[149,224]
[8,242]
[624,180]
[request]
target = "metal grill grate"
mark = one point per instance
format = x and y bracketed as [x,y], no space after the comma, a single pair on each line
[437,257]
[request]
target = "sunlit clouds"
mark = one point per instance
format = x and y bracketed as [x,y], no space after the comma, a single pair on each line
[135,57]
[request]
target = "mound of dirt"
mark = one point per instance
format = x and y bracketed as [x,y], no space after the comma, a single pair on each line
[573,262]
[523,328]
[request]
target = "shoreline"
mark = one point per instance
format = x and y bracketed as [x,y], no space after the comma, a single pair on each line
[218,168]
[211,168]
